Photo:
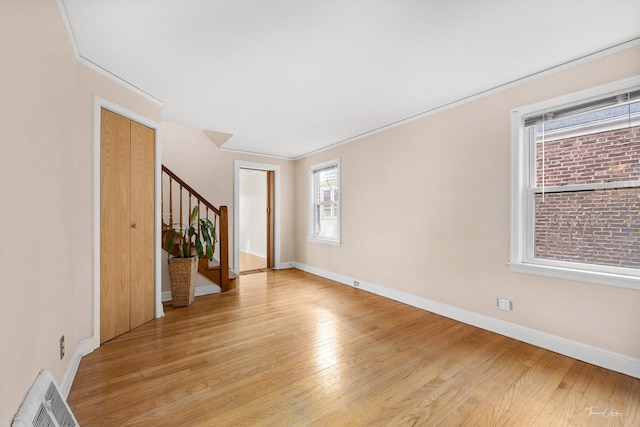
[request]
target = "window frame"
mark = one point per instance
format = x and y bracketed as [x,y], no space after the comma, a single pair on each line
[335,204]
[522,257]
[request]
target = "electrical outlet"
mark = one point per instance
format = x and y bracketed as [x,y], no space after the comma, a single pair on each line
[505,304]
[61,347]
[356,283]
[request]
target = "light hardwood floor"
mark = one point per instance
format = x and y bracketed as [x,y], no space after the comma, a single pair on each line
[249,262]
[290,348]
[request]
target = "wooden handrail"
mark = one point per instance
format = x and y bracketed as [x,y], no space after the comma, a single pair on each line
[190,190]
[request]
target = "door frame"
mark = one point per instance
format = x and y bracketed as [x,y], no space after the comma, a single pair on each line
[98,104]
[271,202]
[241,164]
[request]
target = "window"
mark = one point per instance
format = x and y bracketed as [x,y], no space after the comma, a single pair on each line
[576,186]
[324,215]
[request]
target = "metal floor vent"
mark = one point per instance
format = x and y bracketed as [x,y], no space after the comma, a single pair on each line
[44,406]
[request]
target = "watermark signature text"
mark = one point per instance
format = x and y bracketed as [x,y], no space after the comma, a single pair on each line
[608,412]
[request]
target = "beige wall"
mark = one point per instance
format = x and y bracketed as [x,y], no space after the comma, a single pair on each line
[195,158]
[46,114]
[425,211]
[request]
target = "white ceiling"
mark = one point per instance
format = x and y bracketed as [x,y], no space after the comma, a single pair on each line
[290,77]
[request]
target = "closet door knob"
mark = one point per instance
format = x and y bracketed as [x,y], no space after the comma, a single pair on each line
[135,225]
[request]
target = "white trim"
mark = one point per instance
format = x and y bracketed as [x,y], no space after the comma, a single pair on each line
[522,188]
[199,291]
[593,277]
[95,67]
[254,253]
[285,265]
[590,354]
[311,219]
[67,26]
[241,164]
[575,98]
[255,153]
[99,103]
[83,347]
[323,241]
[537,75]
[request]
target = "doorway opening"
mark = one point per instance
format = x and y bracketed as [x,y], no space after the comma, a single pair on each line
[255,220]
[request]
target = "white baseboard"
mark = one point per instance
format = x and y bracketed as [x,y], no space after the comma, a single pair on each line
[586,353]
[199,291]
[259,255]
[285,265]
[83,348]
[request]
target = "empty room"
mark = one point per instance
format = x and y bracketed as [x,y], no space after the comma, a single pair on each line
[320,213]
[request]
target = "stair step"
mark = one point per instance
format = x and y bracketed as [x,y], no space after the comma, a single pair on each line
[213,265]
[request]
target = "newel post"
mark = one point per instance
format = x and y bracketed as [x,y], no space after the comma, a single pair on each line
[224,249]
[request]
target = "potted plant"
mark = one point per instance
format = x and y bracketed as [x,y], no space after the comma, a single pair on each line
[186,244]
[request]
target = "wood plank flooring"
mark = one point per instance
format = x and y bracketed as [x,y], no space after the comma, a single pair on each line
[289,348]
[249,262]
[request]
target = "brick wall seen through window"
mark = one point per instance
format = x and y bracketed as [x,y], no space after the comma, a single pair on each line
[595,226]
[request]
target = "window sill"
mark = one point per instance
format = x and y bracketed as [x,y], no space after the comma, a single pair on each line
[324,241]
[598,278]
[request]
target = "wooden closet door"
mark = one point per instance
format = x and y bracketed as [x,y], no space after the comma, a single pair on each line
[127,187]
[142,217]
[115,225]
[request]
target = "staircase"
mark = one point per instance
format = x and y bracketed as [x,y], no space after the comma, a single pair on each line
[178,200]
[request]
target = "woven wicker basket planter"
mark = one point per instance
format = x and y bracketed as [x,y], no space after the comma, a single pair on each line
[182,274]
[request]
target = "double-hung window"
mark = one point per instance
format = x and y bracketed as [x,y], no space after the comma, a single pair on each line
[576,186]
[324,216]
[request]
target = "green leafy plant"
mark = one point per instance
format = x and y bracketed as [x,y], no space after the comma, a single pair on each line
[200,233]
